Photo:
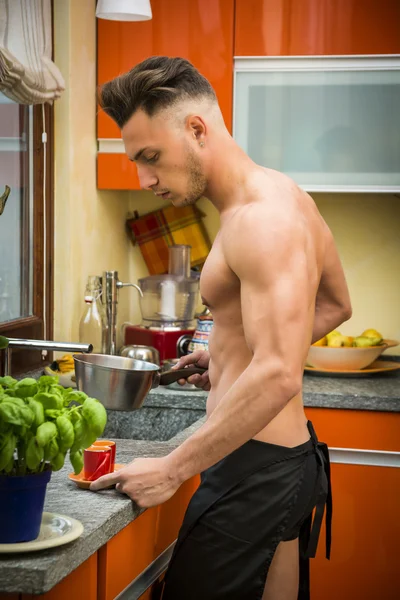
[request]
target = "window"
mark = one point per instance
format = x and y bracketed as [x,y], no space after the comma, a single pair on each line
[26,225]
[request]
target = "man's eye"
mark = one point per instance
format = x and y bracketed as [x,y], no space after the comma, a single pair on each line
[152,159]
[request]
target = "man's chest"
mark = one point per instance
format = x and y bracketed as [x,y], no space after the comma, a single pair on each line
[218,283]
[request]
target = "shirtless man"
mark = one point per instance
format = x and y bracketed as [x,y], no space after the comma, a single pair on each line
[274,284]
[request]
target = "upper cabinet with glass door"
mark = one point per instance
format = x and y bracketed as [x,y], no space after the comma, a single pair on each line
[330,123]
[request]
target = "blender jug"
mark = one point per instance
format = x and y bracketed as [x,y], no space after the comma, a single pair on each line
[170,300]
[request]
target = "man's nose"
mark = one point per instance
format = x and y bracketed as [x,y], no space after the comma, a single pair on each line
[147,178]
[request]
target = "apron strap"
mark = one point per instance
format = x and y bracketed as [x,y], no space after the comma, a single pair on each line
[304,561]
[324,498]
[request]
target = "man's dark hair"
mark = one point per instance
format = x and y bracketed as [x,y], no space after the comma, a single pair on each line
[154,84]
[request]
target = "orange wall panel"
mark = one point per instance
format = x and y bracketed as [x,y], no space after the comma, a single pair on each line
[364,563]
[314,27]
[116,171]
[362,429]
[199,30]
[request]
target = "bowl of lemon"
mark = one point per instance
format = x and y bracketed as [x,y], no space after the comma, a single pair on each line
[339,352]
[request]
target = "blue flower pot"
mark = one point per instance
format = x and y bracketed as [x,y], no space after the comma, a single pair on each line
[21,506]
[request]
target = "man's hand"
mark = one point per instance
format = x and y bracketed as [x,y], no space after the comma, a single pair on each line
[200,358]
[147,481]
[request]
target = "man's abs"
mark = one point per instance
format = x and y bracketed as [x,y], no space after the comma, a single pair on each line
[229,357]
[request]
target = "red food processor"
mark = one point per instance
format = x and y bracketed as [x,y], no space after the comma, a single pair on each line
[168,307]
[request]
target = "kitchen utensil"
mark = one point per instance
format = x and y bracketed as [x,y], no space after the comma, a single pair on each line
[113,448]
[377,367]
[84,484]
[96,462]
[179,260]
[146,353]
[345,358]
[168,300]
[55,530]
[122,383]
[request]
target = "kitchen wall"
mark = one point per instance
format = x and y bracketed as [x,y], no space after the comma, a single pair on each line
[90,224]
[366,228]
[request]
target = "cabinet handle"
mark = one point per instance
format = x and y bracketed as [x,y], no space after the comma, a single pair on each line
[146,578]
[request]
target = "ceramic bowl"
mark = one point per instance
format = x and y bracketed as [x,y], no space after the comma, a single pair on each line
[345,359]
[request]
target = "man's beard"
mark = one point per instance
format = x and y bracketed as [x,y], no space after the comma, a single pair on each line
[197,181]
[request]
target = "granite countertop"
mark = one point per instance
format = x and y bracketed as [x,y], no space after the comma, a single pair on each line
[103,515]
[377,393]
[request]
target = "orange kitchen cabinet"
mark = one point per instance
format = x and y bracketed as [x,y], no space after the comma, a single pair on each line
[314,27]
[361,429]
[199,30]
[116,172]
[126,555]
[9,596]
[364,563]
[81,583]
[171,513]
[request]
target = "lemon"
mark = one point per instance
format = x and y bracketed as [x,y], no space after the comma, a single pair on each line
[336,341]
[347,340]
[362,341]
[321,342]
[331,336]
[372,333]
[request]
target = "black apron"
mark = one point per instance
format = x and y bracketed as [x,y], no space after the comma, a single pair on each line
[247,503]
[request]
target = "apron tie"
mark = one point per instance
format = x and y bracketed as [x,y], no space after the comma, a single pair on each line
[324,498]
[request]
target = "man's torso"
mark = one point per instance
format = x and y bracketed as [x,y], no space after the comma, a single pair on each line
[220,289]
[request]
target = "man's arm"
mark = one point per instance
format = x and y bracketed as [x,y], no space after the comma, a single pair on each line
[332,305]
[277,313]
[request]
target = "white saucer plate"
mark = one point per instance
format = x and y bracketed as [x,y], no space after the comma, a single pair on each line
[55,530]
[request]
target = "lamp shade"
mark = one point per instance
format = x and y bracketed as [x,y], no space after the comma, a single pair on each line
[124,10]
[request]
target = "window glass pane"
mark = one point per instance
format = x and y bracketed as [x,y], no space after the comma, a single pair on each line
[16,226]
[322,127]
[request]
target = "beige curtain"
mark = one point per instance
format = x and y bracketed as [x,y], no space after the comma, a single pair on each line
[27,73]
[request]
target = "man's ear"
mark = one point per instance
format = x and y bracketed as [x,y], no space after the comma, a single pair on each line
[197,128]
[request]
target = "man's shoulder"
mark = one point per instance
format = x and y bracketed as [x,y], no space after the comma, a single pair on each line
[275,207]
[266,210]
[258,232]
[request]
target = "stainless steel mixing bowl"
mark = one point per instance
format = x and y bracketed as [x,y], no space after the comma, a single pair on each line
[146,353]
[122,383]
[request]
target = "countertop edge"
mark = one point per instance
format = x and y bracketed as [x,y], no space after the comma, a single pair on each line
[340,402]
